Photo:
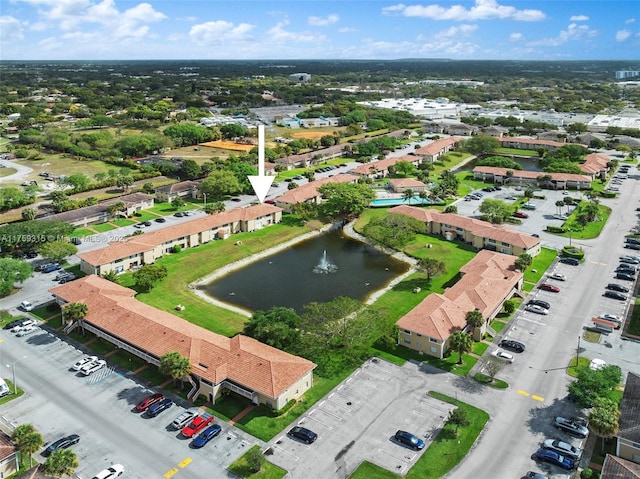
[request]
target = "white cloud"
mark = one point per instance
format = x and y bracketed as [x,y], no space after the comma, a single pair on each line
[572,33]
[622,35]
[453,32]
[220,31]
[346,30]
[516,37]
[323,21]
[630,20]
[482,10]
[279,34]
[579,18]
[10,29]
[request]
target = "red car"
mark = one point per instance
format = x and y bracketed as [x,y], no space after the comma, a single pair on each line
[147,402]
[197,425]
[520,214]
[550,287]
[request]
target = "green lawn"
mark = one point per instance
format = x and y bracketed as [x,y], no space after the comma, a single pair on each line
[81,232]
[12,396]
[572,369]
[120,222]
[269,471]
[575,230]
[479,348]
[515,151]
[634,324]
[103,227]
[495,383]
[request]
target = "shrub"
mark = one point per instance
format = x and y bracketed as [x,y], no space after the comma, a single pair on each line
[255,460]
[176,249]
[589,473]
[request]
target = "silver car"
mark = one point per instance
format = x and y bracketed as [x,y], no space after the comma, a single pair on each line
[562,448]
[534,308]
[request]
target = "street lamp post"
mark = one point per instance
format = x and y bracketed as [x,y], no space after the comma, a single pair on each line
[578,352]
[13,370]
[205,199]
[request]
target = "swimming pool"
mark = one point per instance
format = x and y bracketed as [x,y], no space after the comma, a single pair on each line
[415,201]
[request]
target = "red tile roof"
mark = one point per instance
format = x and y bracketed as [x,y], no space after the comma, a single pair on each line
[381,165]
[530,141]
[438,146]
[488,279]
[310,190]
[406,183]
[532,175]
[595,163]
[479,228]
[7,448]
[241,359]
[147,241]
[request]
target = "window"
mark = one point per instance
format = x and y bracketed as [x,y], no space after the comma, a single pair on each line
[489,240]
[407,341]
[418,344]
[407,332]
[433,349]
[433,340]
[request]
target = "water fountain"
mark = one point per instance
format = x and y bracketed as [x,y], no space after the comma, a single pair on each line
[325,266]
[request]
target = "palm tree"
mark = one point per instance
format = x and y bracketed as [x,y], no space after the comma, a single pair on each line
[112,276]
[74,312]
[604,417]
[408,195]
[175,365]
[20,432]
[474,319]
[559,205]
[60,463]
[31,443]
[461,342]
[423,194]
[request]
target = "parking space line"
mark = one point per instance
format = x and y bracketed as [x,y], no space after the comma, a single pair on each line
[522,393]
[284,450]
[537,398]
[170,472]
[185,462]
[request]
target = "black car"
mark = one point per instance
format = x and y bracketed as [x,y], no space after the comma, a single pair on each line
[160,220]
[146,223]
[632,246]
[625,276]
[30,254]
[615,295]
[632,241]
[76,241]
[570,261]
[541,303]
[179,214]
[63,443]
[16,322]
[511,345]
[303,434]
[617,287]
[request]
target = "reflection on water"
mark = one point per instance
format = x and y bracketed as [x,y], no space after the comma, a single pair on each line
[288,278]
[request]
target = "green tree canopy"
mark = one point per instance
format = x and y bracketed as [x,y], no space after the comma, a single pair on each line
[278,327]
[393,230]
[13,271]
[74,311]
[474,318]
[57,250]
[592,384]
[461,342]
[220,183]
[431,267]
[62,462]
[175,365]
[495,210]
[345,200]
[145,277]
[481,144]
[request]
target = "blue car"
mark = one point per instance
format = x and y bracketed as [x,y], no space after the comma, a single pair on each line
[553,457]
[158,407]
[407,439]
[205,436]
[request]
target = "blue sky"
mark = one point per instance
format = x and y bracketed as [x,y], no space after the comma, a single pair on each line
[319,29]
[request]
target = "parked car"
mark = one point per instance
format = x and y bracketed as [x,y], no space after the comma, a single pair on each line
[617,287]
[549,287]
[61,275]
[626,267]
[160,220]
[558,277]
[520,214]
[534,475]
[540,302]
[303,434]
[179,214]
[48,268]
[63,443]
[26,306]
[410,440]
[563,448]
[17,323]
[82,362]
[625,276]
[158,407]
[91,368]
[632,246]
[146,223]
[205,436]
[611,317]
[23,324]
[110,473]
[560,217]
[197,424]
[553,457]
[139,225]
[534,308]
[570,261]
[615,295]
[149,401]
[571,427]
[629,259]
[183,419]
[502,355]
[632,240]
[511,345]
[24,330]
[529,206]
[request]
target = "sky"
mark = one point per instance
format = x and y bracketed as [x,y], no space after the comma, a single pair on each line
[320,29]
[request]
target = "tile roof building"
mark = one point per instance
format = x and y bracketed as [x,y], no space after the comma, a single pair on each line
[487,281]
[559,181]
[480,234]
[248,367]
[628,437]
[380,168]
[8,456]
[146,248]
[435,150]
[617,468]
[182,189]
[595,165]
[308,193]
[400,185]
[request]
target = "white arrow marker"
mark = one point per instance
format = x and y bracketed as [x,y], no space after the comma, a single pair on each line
[261,183]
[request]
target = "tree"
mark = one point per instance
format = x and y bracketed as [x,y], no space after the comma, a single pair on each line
[481,144]
[493,366]
[21,431]
[220,183]
[461,342]
[28,214]
[559,205]
[408,195]
[78,181]
[604,417]
[61,463]
[278,327]
[592,384]
[124,182]
[459,418]
[27,235]
[255,459]
[405,168]
[177,202]
[431,267]
[345,200]
[112,276]
[175,365]
[393,230]
[451,209]
[292,186]
[509,306]
[116,207]
[523,261]
[449,183]
[474,318]
[190,170]
[145,277]
[57,250]
[13,271]
[495,211]
[215,207]
[27,439]
[74,312]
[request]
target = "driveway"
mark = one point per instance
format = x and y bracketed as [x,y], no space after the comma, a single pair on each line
[21,171]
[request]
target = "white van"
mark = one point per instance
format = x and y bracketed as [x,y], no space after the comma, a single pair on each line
[4,389]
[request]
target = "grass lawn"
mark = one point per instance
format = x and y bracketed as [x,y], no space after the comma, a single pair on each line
[540,264]
[151,374]
[120,222]
[269,471]
[575,230]
[367,470]
[12,396]
[493,383]
[126,360]
[7,171]
[192,264]
[102,346]
[634,323]
[45,312]
[515,151]
[479,348]
[572,369]
[103,227]
[498,325]
[592,336]
[81,232]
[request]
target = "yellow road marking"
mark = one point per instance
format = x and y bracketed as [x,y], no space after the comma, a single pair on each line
[185,462]
[537,398]
[523,393]
[170,473]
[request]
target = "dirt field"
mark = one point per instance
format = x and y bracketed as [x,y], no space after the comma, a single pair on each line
[310,135]
[228,145]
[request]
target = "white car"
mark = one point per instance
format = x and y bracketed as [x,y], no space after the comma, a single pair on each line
[26,330]
[183,419]
[502,355]
[560,217]
[26,306]
[534,308]
[611,317]
[26,323]
[558,277]
[83,362]
[110,473]
[92,367]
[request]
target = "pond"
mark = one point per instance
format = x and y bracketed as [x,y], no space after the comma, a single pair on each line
[319,269]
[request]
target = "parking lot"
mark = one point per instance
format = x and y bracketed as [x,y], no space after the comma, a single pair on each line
[357,420]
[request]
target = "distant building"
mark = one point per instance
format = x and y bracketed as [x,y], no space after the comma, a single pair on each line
[623,74]
[300,77]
